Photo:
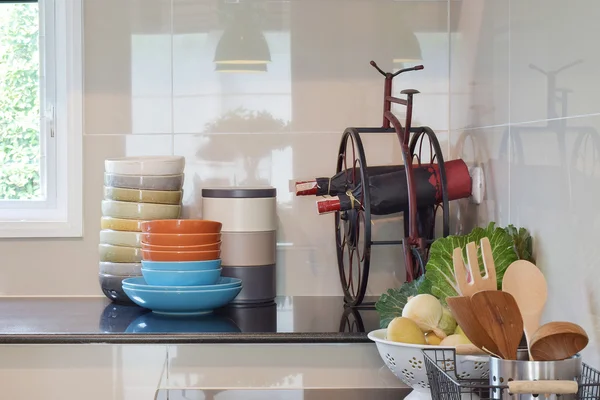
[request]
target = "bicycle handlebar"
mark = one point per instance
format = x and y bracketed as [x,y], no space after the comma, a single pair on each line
[548,73]
[415,68]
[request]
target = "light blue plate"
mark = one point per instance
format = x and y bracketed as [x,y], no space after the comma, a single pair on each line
[140,283]
[161,323]
[181,278]
[193,302]
[182,265]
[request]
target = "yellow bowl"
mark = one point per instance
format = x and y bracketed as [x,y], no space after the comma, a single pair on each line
[143,196]
[120,224]
[146,211]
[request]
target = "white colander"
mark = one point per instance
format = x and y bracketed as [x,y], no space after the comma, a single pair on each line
[406,361]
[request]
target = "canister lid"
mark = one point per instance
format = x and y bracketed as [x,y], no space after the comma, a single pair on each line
[240,192]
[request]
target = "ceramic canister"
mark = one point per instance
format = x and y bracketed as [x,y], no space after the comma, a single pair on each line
[248,237]
[241,209]
[259,283]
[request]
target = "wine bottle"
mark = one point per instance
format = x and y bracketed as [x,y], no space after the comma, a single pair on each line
[337,183]
[389,192]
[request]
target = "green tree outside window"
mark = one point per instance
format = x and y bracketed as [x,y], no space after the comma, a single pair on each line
[19,102]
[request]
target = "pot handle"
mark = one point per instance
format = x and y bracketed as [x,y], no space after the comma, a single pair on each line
[543,387]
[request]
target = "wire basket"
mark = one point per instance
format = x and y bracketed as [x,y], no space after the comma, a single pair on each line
[446,384]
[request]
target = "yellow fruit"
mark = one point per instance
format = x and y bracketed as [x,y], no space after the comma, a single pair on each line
[455,340]
[459,331]
[432,339]
[405,330]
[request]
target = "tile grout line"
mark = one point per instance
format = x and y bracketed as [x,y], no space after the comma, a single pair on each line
[509,114]
[449,120]
[172,81]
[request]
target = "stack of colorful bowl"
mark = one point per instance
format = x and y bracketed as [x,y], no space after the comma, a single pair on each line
[136,189]
[181,268]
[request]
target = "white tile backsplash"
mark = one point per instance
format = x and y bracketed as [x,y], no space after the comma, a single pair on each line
[539,140]
[151,88]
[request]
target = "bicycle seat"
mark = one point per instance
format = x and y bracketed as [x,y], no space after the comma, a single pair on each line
[410,91]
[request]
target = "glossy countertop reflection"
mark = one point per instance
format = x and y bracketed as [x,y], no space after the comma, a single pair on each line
[74,320]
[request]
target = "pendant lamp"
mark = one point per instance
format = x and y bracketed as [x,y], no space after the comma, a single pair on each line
[242,43]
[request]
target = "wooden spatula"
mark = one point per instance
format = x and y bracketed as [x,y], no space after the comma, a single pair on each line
[462,311]
[476,283]
[498,314]
[528,286]
[557,341]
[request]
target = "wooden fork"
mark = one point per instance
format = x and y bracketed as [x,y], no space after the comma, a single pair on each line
[477,282]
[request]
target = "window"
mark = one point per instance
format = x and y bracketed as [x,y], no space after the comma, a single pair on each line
[40,118]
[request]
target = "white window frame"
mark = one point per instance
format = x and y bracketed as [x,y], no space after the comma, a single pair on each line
[60,214]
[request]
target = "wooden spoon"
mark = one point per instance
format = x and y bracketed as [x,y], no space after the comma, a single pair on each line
[557,341]
[460,306]
[528,286]
[498,314]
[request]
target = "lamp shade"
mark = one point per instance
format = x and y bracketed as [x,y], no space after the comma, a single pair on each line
[242,44]
[407,48]
[241,68]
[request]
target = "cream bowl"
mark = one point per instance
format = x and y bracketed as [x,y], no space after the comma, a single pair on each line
[119,254]
[144,182]
[145,165]
[120,269]
[121,238]
[146,211]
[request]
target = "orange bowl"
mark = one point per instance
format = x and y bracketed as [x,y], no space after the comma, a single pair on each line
[151,255]
[181,226]
[184,239]
[202,247]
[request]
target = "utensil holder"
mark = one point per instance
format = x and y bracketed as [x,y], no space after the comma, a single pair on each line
[504,371]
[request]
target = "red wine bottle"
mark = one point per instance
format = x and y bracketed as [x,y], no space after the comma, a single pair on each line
[338,183]
[389,192]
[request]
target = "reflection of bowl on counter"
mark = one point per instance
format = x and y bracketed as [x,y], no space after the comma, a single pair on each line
[157,323]
[252,317]
[117,317]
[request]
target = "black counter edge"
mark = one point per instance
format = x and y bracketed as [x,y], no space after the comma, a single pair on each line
[178,338]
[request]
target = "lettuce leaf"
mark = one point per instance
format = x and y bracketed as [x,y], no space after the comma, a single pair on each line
[508,245]
[523,243]
[440,270]
[390,304]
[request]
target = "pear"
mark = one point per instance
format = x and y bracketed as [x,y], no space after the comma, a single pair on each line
[405,330]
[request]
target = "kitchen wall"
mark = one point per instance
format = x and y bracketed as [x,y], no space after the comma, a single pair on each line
[524,105]
[150,88]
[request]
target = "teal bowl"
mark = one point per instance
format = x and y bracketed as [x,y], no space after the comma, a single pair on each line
[181,278]
[182,302]
[181,265]
[223,282]
[159,323]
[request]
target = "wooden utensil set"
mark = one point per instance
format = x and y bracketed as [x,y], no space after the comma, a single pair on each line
[495,320]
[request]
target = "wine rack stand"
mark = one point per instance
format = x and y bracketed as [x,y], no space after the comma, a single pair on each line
[353,227]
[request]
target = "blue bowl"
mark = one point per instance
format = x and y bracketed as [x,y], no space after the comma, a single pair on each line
[177,302]
[182,265]
[181,278]
[159,323]
[222,283]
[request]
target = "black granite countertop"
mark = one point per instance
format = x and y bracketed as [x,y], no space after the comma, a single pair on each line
[76,320]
